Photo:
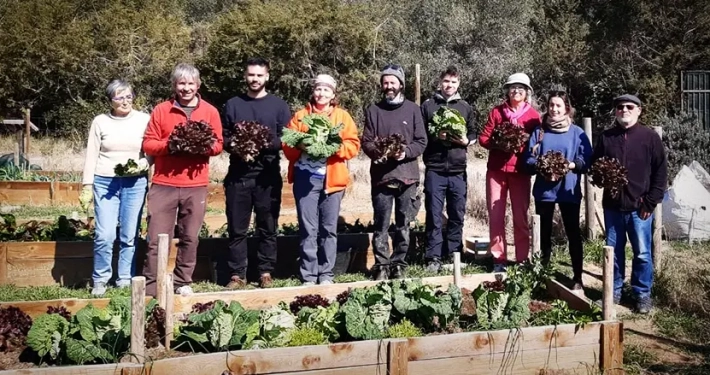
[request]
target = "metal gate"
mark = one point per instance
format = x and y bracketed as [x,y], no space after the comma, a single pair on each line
[695,95]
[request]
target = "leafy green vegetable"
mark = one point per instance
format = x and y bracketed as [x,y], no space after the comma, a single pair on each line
[449,120]
[46,334]
[404,329]
[123,169]
[367,311]
[423,305]
[220,327]
[324,319]
[306,336]
[322,139]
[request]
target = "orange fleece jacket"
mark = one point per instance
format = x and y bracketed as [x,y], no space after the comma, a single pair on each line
[337,176]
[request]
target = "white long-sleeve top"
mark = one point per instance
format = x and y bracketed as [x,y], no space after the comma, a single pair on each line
[113,140]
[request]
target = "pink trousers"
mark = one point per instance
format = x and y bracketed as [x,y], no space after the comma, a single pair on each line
[498,184]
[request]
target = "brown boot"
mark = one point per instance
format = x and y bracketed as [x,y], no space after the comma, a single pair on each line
[266,281]
[236,282]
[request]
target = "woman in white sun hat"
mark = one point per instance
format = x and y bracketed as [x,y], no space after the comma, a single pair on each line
[506,171]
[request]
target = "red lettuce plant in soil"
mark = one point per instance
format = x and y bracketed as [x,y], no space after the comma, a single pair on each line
[192,137]
[247,139]
[155,327]
[508,137]
[308,300]
[61,310]
[14,325]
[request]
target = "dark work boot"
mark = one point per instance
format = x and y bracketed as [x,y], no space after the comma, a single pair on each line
[396,272]
[382,273]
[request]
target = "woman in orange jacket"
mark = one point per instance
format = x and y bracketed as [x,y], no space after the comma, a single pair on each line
[319,185]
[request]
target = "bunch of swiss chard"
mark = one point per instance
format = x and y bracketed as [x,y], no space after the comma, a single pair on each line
[388,147]
[247,139]
[608,173]
[449,120]
[508,137]
[322,139]
[14,325]
[552,166]
[192,138]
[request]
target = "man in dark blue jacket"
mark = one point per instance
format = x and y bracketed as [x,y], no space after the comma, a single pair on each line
[394,181]
[630,212]
[445,179]
[254,185]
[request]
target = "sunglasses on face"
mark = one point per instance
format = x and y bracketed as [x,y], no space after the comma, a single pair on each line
[629,107]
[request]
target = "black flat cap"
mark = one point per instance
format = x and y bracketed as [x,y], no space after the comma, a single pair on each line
[627,98]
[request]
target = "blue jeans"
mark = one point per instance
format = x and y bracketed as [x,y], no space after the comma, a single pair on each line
[618,225]
[318,214]
[117,200]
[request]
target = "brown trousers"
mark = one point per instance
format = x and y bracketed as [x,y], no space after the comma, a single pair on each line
[164,203]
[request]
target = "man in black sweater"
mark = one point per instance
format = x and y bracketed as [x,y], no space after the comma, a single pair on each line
[254,185]
[630,212]
[396,179]
[445,179]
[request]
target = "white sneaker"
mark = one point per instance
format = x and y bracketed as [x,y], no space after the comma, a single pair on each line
[308,283]
[98,290]
[123,283]
[499,267]
[184,290]
[326,282]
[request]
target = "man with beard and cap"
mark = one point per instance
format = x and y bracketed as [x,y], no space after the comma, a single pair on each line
[179,184]
[394,181]
[630,211]
[254,185]
[445,178]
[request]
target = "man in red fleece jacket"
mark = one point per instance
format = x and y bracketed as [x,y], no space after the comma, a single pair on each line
[179,185]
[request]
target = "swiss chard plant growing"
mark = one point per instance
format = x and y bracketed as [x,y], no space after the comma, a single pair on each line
[62,229]
[450,121]
[322,139]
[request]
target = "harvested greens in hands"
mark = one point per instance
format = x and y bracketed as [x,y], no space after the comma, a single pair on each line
[609,174]
[388,147]
[130,168]
[508,137]
[192,137]
[247,139]
[552,166]
[448,120]
[322,139]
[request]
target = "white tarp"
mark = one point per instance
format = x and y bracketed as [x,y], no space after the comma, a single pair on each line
[686,209]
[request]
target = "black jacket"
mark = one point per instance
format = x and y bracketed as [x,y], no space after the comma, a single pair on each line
[640,150]
[383,119]
[438,156]
[270,111]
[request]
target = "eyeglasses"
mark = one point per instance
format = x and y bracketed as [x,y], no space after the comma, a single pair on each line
[516,88]
[122,98]
[629,107]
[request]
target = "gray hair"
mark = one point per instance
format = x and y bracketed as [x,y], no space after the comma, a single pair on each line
[117,85]
[184,70]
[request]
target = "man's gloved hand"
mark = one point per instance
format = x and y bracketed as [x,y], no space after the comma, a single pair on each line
[86,197]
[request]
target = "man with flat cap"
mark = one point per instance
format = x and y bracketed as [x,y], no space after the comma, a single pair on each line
[630,212]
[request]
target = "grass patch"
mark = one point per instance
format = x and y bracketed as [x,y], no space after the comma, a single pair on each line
[637,358]
[679,325]
[48,213]
[684,280]
[11,293]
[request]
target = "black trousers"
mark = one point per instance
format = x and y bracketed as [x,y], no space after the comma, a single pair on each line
[262,195]
[406,205]
[440,189]
[570,219]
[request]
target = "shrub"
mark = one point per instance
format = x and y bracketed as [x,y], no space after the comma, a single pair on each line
[685,140]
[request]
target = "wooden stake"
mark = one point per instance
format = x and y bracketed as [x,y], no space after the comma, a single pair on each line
[163,252]
[657,244]
[589,207]
[608,309]
[28,133]
[138,319]
[417,85]
[169,308]
[612,348]
[457,269]
[536,234]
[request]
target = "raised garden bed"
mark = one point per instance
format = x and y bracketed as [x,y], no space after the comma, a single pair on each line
[582,348]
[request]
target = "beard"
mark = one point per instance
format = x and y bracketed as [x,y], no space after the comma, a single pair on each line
[255,86]
[391,93]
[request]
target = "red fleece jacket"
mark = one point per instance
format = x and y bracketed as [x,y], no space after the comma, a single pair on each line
[179,170]
[499,160]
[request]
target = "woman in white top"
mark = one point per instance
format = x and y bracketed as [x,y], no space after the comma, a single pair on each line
[115,138]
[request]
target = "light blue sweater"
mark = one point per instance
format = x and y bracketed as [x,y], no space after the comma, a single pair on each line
[575,146]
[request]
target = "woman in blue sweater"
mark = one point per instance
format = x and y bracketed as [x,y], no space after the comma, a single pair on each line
[558,133]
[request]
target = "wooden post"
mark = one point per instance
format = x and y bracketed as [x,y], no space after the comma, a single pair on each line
[398,357]
[589,207]
[457,268]
[138,319]
[169,308]
[608,309]
[536,234]
[612,348]
[657,244]
[163,252]
[28,133]
[417,85]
